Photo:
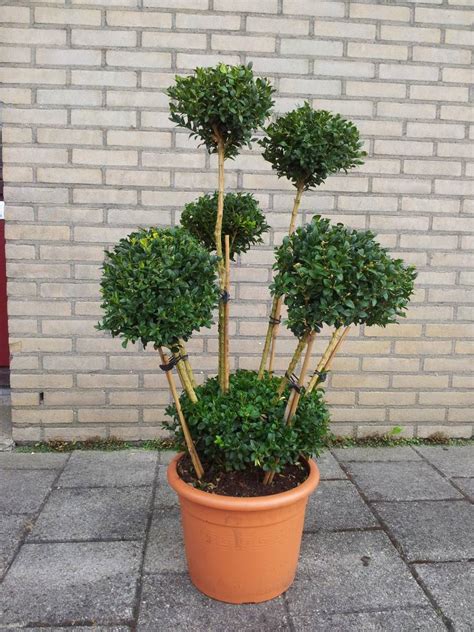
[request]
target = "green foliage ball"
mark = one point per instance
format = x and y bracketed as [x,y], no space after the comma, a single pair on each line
[307,145]
[158,285]
[333,275]
[225,99]
[243,221]
[245,427]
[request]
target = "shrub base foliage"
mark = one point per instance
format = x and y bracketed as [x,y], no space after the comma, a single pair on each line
[245,427]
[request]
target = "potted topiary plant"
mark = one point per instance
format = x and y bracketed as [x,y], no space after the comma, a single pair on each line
[246,472]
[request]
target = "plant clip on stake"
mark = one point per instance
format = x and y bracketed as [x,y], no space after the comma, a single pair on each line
[187,435]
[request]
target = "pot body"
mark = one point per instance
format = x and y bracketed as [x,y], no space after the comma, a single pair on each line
[242,550]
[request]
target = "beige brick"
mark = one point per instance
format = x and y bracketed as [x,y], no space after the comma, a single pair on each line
[131,177]
[139,19]
[71,253]
[101,38]
[104,118]
[454,224]
[432,167]
[69,290]
[15,55]
[57,135]
[172,160]
[420,381]
[49,37]
[22,434]
[407,110]
[56,15]
[458,75]
[449,295]
[454,187]
[381,222]
[38,308]
[36,380]
[435,93]
[75,433]
[410,34]
[21,96]
[74,363]
[105,157]
[378,12]
[351,69]
[137,59]
[311,47]
[79,176]
[190,61]
[457,112]
[68,327]
[455,150]
[138,138]
[265,6]
[14,14]
[357,413]
[443,16]
[381,51]
[352,30]
[359,381]
[310,86]
[67,57]
[447,398]
[43,416]
[458,37]
[386,398]
[103,78]
[243,43]
[396,364]
[69,97]
[448,431]
[107,415]
[275,25]
[37,232]
[430,277]
[373,89]
[407,71]
[429,242]
[435,130]
[403,415]
[33,76]
[400,185]
[308,7]
[403,330]
[463,381]
[122,98]
[440,55]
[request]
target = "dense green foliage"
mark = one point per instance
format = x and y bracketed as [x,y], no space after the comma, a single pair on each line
[333,275]
[306,146]
[158,285]
[224,100]
[245,426]
[243,221]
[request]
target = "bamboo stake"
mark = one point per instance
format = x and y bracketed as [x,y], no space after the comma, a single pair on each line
[269,348]
[187,435]
[226,313]
[185,381]
[187,364]
[292,366]
[293,402]
[221,262]
[327,357]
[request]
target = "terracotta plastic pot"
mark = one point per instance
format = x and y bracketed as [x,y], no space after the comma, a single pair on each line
[242,550]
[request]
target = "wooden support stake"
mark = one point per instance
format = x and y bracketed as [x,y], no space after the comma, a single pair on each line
[221,263]
[292,366]
[187,435]
[226,313]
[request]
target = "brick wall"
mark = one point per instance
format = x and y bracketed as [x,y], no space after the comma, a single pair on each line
[90,154]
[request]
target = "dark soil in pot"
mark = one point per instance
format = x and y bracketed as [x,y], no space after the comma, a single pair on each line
[242,484]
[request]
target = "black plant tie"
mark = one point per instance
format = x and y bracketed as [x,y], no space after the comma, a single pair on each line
[225,296]
[322,375]
[293,382]
[173,362]
[274,321]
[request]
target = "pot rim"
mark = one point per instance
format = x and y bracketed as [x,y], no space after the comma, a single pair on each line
[234,503]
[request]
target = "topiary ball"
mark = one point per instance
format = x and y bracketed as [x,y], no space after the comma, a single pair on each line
[243,221]
[158,285]
[244,427]
[307,145]
[333,275]
[224,100]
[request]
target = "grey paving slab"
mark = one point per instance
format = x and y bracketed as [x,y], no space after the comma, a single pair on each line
[165,495]
[102,469]
[328,466]
[427,530]
[395,453]
[337,505]
[74,628]
[23,491]
[165,547]
[452,586]
[165,456]
[32,461]
[401,481]
[94,514]
[414,620]
[171,603]
[466,485]
[451,460]
[12,529]
[350,571]
[57,584]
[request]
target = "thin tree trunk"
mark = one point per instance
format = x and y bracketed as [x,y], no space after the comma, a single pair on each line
[187,435]
[221,262]
[269,348]
[293,362]
[187,364]
[327,357]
